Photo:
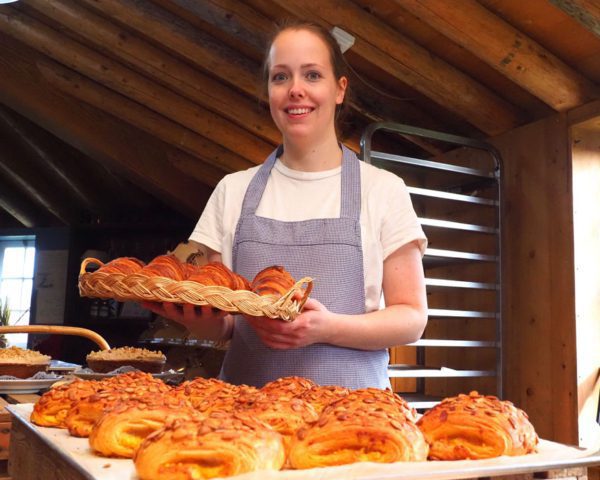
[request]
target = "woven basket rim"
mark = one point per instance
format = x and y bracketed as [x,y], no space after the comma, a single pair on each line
[140,287]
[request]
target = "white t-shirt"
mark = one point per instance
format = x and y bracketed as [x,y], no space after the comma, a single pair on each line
[388,220]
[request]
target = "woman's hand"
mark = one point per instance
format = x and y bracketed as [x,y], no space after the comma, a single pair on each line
[202,321]
[311,326]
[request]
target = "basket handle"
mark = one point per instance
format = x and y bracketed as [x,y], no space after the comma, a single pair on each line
[86,262]
[61,330]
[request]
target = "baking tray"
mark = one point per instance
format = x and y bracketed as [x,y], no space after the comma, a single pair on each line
[551,456]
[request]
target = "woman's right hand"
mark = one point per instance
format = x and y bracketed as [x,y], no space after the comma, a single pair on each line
[202,321]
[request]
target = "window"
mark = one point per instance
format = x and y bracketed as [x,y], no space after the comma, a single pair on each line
[17,257]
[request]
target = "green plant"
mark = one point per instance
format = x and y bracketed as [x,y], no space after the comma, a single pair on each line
[4,311]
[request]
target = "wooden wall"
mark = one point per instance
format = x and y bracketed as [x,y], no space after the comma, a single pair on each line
[538,277]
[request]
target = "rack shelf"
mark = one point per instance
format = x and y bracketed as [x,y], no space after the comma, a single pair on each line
[456,195]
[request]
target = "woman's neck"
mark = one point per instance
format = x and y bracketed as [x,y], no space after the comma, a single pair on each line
[312,157]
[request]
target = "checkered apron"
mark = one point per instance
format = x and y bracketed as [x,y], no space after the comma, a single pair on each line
[326,249]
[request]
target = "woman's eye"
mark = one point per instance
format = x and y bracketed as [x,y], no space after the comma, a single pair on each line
[278,77]
[313,75]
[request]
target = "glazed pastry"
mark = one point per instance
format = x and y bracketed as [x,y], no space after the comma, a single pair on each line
[321,396]
[119,431]
[288,387]
[216,273]
[363,428]
[82,416]
[476,426]
[52,407]
[274,280]
[221,445]
[284,415]
[167,266]
[124,265]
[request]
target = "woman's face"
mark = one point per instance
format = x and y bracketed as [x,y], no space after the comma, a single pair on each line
[303,90]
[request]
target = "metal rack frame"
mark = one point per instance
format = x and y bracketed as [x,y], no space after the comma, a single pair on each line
[435,257]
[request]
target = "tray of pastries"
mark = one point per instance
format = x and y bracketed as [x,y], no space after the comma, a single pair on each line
[273,292]
[205,428]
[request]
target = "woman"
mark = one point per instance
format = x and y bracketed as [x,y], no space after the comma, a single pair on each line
[315,209]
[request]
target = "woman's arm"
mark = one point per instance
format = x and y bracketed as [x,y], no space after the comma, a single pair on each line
[203,322]
[402,321]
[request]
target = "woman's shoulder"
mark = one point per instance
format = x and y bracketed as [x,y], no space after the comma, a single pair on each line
[238,179]
[373,177]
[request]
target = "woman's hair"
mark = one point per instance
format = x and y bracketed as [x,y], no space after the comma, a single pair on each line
[338,62]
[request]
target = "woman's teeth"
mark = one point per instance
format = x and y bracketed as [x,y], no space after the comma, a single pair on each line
[298,111]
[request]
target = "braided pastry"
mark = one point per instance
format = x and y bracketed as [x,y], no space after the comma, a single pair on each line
[476,426]
[221,445]
[124,265]
[274,280]
[167,266]
[360,427]
[52,407]
[119,431]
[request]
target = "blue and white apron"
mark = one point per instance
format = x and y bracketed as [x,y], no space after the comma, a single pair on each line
[326,249]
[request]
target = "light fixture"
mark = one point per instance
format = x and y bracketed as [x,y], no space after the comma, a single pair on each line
[344,39]
[8,1]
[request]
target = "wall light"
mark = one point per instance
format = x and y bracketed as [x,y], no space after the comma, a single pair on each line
[344,39]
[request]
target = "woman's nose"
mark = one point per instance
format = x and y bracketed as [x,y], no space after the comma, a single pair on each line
[296,90]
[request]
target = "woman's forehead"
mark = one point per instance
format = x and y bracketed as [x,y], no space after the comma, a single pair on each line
[301,47]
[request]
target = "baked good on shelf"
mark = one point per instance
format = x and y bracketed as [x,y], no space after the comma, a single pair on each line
[22,363]
[220,445]
[124,265]
[167,266]
[82,416]
[291,386]
[274,280]
[120,430]
[363,426]
[225,398]
[52,407]
[105,361]
[477,426]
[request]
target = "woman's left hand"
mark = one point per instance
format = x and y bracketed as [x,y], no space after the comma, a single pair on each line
[307,328]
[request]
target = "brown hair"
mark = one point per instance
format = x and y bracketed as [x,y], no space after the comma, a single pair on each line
[338,62]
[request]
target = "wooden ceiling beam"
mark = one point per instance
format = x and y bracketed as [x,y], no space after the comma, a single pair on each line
[20,207]
[133,85]
[216,160]
[138,156]
[46,160]
[159,65]
[413,65]
[506,49]
[586,12]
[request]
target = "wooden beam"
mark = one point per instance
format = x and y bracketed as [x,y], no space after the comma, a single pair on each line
[45,158]
[216,159]
[411,64]
[506,49]
[586,12]
[20,207]
[140,157]
[31,178]
[133,85]
[158,64]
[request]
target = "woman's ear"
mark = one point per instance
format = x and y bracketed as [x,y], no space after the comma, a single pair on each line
[341,90]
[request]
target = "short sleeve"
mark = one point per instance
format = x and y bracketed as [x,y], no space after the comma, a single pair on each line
[399,224]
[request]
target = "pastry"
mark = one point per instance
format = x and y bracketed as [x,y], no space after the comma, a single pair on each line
[274,280]
[220,445]
[120,430]
[52,407]
[321,396]
[105,361]
[124,265]
[218,274]
[360,427]
[226,398]
[83,415]
[166,266]
[22,363]
[288,386]
[477,426]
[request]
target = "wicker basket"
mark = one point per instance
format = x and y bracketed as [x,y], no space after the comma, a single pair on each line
[139,287]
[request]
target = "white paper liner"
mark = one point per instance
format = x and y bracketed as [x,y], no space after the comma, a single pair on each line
[550,456]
